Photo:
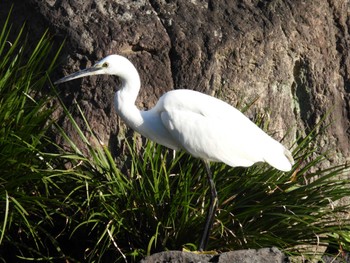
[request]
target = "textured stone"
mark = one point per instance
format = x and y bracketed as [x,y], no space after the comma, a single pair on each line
[263,255]
[292,55]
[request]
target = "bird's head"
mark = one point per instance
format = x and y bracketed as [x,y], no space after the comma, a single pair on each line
[110,65]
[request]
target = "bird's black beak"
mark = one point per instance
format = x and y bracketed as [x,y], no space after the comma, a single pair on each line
[83,73]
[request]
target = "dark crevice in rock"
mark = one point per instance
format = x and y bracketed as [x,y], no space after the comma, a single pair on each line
[172,54]
[302,89]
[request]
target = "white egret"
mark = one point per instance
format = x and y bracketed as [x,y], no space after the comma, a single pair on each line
[202,125]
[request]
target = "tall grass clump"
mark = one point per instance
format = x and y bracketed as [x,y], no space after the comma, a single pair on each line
[23,122]
[160,201]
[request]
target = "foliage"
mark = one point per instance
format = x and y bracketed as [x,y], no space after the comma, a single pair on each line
[163,198]
[24,191]
[77,205]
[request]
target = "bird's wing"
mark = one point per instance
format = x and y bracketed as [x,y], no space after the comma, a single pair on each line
[206,138]
[211,129]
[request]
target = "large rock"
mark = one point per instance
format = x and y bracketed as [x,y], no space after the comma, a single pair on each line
[292,55]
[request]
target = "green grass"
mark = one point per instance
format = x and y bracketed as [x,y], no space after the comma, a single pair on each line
[23,119]
[77,205]
[158,201]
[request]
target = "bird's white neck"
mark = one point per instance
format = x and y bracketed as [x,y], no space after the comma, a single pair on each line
[124,100]
[129,90]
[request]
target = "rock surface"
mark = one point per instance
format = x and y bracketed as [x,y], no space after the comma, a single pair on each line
[292,55]
[264,255]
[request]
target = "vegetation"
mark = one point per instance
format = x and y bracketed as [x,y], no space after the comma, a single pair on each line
[79,206]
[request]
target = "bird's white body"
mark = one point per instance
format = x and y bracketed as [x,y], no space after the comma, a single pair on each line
[210,129]
[202,125]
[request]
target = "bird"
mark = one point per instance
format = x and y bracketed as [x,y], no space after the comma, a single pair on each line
[202,125]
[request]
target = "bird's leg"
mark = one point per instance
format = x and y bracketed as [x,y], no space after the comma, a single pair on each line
[212,208]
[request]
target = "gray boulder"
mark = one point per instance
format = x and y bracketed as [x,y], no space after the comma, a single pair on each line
[291,56]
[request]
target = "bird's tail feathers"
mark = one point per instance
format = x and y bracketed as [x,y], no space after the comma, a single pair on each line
[281,160]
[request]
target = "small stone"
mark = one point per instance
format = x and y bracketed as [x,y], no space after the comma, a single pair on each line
[263,255]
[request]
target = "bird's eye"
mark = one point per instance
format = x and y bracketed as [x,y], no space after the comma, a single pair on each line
[105,65]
